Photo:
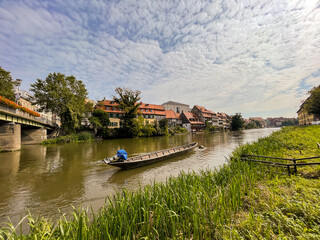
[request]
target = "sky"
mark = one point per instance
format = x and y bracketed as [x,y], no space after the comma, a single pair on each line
[257,58]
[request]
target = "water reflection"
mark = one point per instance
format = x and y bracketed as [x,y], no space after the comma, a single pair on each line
[45,178]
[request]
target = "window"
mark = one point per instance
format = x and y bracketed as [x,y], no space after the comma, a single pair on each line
[113,108]
[146,110]
[117,115]
[150,110]
[111,115]
[107,108]
[178,109]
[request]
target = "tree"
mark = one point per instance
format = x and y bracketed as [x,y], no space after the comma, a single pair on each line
[6,85]
[64,96]
[100,121]
[237,122]
[312,104]
[164,124]
[128,103]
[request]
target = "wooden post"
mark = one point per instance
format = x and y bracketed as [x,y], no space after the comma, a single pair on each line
[288,169]
[295,166]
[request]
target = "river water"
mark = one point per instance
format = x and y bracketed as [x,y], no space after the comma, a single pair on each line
[43,179]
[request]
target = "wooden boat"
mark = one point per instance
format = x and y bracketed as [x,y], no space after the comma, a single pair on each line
[150,158]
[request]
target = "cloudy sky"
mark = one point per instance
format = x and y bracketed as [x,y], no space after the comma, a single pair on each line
[258,58]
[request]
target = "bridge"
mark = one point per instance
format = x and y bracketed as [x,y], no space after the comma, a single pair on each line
[18,127]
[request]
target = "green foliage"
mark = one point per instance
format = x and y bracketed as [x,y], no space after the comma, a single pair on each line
[179,129]
[163,124]
[253,124]
[6,85]
[76,137]
[290,122]
[100,122]
[128,103]
[148,130]
[63,95]
[237,122]
[209,128]
[312,104]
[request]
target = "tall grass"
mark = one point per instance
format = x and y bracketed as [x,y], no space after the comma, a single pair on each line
[238,200]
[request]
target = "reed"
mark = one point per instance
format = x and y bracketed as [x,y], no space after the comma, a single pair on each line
[238,200]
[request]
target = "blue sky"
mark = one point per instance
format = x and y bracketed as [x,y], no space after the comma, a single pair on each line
[258,58]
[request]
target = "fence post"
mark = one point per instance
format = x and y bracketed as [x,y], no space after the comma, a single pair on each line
[295,166]
[288,166]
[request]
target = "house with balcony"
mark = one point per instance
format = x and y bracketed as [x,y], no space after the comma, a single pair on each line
[150,112]
[205,115]
[224,120]
[174,119]
[191,122]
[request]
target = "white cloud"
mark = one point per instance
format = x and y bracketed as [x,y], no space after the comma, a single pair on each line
[227,56]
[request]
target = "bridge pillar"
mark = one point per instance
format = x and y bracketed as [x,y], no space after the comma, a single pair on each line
[33,135]
[10,137]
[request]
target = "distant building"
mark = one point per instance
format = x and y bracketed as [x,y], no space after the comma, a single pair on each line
[206,115]
[224,120]
[176,107]
[262,122]
[215,119]
[278,122]
[24,100]
[304,117]
[85,121]
[191,122]
[150,112]
[174,119]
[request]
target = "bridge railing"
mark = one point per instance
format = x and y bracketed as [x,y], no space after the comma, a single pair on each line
[20,113]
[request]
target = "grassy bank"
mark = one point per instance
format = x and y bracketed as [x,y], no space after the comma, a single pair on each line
[76,137]
[239,200]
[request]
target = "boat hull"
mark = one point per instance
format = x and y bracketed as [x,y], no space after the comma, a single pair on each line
[141,161]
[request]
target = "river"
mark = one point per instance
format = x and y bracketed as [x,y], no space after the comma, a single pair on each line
[43,179]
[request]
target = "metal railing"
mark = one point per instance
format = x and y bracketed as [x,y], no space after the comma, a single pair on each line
[22,114]
[294,164]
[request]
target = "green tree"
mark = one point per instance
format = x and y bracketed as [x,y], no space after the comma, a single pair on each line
[237,122]
[163,124]
[64,96]
[128,103]
[312,104]
[209,127]
[100,121]
[6,85]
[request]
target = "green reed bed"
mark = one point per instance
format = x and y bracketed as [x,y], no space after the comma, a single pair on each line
[237,201]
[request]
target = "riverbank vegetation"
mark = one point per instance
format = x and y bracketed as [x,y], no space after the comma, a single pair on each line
[238,200]
[70,138]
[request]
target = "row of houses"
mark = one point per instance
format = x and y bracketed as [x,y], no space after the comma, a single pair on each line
[193,120]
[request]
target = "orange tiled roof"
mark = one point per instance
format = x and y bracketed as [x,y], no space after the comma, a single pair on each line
[156,109]
[171,114]
[190,115]
[151,106]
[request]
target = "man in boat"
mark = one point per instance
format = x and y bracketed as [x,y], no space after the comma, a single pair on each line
[121,156]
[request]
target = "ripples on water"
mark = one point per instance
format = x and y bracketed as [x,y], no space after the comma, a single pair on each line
[44,179]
